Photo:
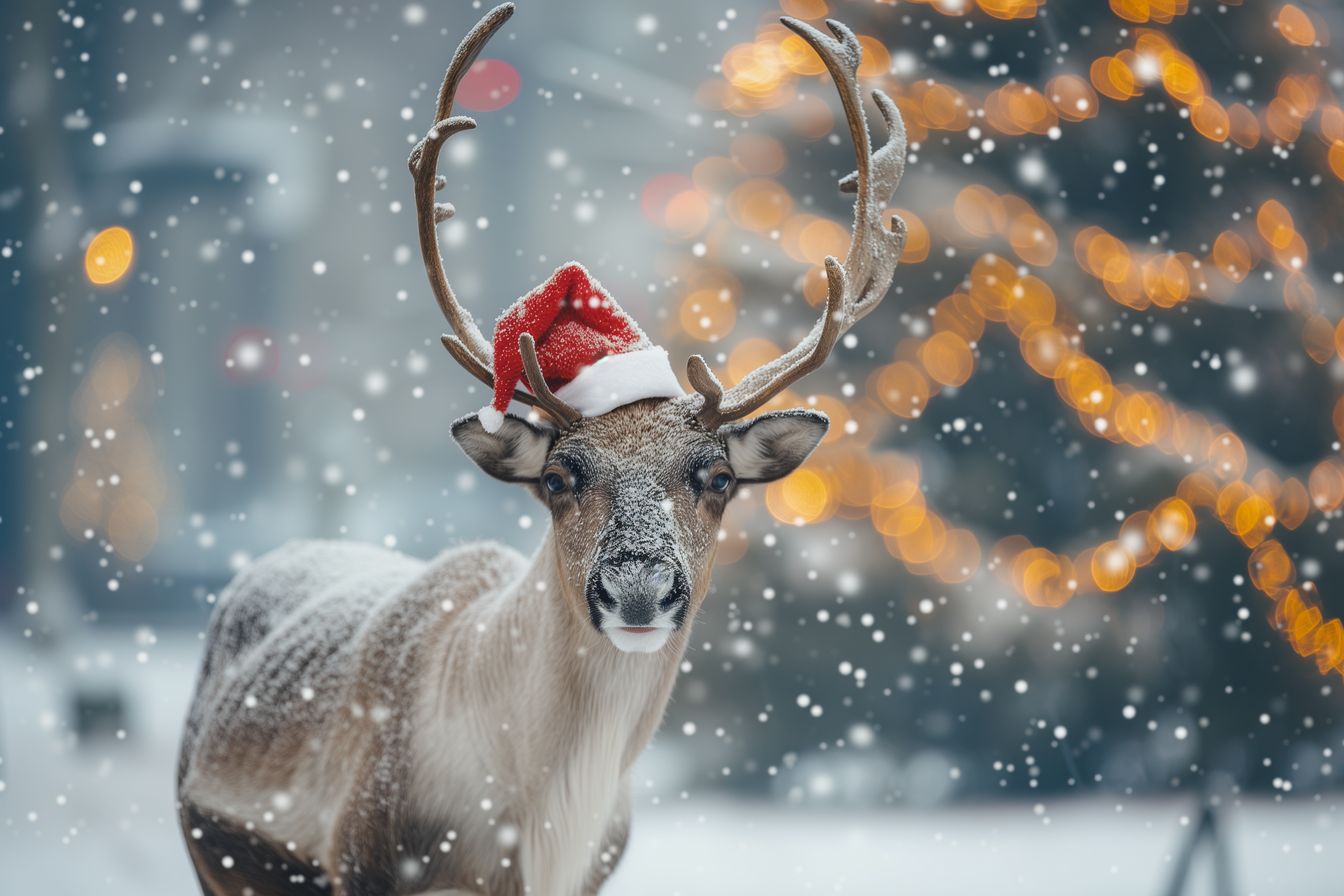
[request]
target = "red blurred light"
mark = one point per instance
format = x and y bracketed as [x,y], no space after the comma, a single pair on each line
[488,85]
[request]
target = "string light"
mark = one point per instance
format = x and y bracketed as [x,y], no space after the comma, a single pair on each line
[847,478]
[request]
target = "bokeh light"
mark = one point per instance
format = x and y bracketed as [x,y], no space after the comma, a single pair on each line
[109,255]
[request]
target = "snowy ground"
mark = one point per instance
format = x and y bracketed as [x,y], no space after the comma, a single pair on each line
[98,819]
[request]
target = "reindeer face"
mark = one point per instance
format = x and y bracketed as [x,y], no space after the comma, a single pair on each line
[635,497]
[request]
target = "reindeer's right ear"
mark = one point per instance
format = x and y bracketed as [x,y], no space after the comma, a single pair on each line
[516,453]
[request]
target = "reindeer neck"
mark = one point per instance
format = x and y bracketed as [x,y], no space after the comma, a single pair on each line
[590,682]
[553,682]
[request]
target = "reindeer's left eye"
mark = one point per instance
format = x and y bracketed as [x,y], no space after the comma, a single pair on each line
[554,482]
[720,483]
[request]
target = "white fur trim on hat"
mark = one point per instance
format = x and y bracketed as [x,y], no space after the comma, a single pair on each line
[618,380]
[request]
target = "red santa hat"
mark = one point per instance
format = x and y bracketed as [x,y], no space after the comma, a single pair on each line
[592,354]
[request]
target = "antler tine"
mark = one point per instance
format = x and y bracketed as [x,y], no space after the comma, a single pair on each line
[887,169]
[764,383]
[477,368]
[467,346]
[841,56]
[704,381]
[563,413]
[857,286]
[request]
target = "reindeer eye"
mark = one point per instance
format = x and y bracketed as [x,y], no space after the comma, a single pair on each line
[720,483]
[554,482]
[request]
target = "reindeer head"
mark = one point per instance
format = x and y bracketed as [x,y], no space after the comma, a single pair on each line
[636,494]
[635,497]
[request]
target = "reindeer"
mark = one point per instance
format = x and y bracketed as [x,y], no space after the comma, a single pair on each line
[367,723]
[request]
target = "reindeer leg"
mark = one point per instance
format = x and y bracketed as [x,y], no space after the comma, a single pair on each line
[364,843]
[613,848]
[229,859]
[366,865]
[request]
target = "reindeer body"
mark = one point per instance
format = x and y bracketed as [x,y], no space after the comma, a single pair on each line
[447,724]
[385,725]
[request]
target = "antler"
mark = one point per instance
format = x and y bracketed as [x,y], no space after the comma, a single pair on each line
[854,288]
[565,414]
[467,345]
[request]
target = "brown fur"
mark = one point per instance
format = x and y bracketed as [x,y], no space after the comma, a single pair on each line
[356,706]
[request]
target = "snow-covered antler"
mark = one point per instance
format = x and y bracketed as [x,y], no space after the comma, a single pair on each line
[467,344]
[563,413]
[854,288]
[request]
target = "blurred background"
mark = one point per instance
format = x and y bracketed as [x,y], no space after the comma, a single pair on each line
[1053,607]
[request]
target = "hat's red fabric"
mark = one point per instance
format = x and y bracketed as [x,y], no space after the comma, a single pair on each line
[574,321]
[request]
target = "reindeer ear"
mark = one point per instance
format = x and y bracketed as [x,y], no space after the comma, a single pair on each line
[771,446]
[515,453]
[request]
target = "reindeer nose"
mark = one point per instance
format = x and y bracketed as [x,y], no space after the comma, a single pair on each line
[638,587]
[638,578]
[660,580]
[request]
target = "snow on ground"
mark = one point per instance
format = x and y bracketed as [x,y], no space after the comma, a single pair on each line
[99,818]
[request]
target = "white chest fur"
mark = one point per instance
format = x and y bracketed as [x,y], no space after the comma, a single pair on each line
[530,757]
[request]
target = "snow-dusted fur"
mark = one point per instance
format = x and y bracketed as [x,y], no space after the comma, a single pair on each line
[441,705]
[369,723]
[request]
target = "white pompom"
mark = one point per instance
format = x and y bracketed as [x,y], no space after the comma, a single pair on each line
[491,419]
